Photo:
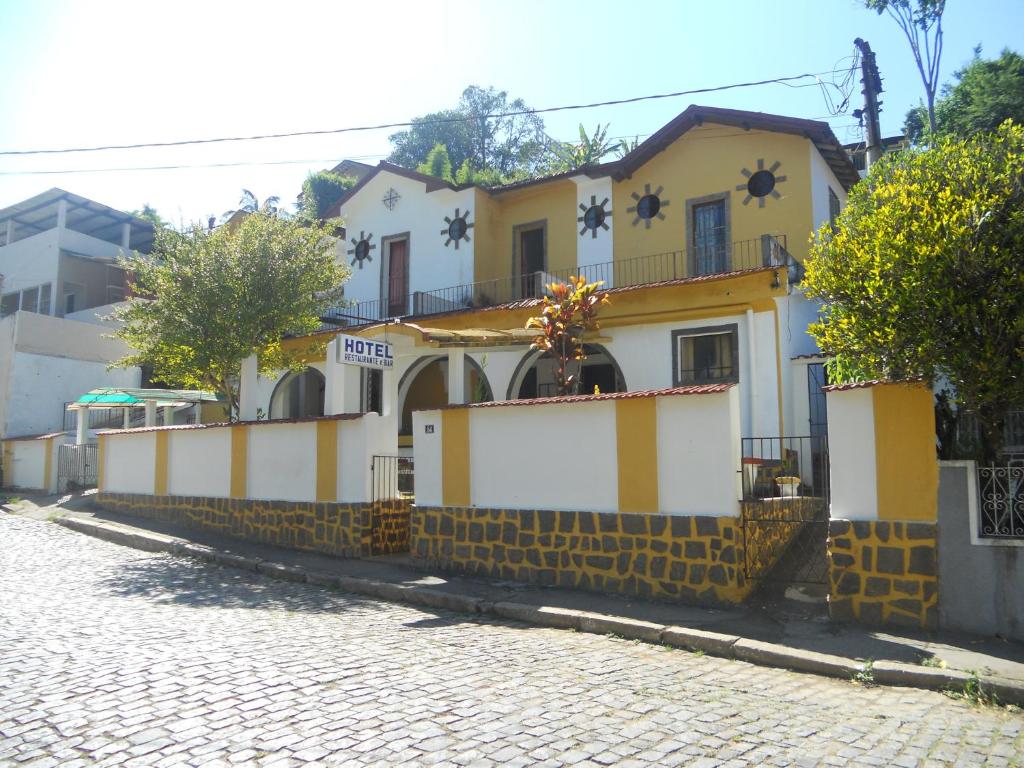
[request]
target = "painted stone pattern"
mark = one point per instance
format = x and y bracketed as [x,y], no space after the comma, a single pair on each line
[390,526]
[770,525]
[694,559]
[336,529]
[883,573]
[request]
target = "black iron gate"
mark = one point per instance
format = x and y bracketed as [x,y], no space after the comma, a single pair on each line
[77,466]
[391,483]
[785,509]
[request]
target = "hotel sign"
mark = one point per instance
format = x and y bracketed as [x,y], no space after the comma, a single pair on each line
[352,350]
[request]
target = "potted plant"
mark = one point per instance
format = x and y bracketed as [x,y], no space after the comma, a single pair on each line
[789,485]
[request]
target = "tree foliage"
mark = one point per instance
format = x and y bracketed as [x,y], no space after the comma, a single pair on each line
[568,156]
[211,299]
[986,93]
[569,312]
[922,275]
[320,191]
[150,214]
[438,163]
[921,23]
[486,128]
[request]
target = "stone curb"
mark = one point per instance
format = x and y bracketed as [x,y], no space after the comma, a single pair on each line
[712,643]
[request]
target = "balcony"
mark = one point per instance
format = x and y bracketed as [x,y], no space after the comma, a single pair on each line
[714,259]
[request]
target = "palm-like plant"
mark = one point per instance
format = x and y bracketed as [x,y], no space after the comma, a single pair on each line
[249,203]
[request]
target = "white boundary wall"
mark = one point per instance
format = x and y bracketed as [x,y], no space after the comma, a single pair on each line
[544,457]
[129,462]
[851,444]
[564,456]
[281,459]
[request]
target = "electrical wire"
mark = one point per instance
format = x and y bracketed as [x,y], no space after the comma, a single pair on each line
[407,124]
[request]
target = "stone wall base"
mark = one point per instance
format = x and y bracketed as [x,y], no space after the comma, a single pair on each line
[883,573]
[689,559]
[344,530]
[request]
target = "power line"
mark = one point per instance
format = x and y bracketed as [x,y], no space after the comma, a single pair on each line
[407,124]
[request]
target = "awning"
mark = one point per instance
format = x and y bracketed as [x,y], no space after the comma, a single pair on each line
[112,397]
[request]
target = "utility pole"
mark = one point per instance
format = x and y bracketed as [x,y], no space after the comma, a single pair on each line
[872,88]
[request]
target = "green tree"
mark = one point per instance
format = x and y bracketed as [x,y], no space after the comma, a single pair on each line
[320,191]
[448,127]
[566,315]
[438,163]
[495,133]
[149,213]
[922,276]
[921,23]
[567,156]
[986,93]
[214,298]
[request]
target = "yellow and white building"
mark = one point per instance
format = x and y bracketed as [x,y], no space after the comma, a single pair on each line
[699,233]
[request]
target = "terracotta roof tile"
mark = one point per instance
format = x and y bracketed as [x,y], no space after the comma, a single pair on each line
[693,389]
[868,384]
[139,430]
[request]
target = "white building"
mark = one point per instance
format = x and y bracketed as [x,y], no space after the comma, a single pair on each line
[60,277]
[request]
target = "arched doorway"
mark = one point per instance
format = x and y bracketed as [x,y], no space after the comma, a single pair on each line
[425,386]
[535,375]
[299,395]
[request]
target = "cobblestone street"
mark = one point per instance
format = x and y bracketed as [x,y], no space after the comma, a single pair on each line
[111,656]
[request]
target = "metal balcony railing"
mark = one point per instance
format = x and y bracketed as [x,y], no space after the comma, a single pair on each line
[712,258]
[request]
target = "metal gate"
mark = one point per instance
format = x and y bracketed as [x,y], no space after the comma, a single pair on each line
[77,466]
[785,509]
[391,482]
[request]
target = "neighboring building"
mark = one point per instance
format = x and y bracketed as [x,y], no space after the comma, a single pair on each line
[858,151]
[699,233]
[60,273]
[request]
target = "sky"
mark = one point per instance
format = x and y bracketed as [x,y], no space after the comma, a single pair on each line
[78,74]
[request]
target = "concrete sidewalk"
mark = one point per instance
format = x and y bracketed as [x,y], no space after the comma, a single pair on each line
[767,635]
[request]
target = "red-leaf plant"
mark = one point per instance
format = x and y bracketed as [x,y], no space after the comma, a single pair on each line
[568,313]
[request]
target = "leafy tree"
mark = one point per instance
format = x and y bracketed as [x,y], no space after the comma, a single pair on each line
[438,163]
[590,149]
[479,129]
[448,127]
[921,23]
[214,298]
[986,93]
[467,174]
[320,191]
[561,324]
[922,275]
[149,213]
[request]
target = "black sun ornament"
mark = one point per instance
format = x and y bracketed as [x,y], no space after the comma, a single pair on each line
[594,216]
[648,206]
[361,250]
[761,183]
[457,229]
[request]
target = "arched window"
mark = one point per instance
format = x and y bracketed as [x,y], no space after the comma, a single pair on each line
[535,375]
[425,386]
[298,395]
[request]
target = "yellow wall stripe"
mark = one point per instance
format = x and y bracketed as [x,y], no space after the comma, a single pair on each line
[327,460]
[101,451]
[455,458]
[160,465]
[636,439]
[906,469]
[239,461]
